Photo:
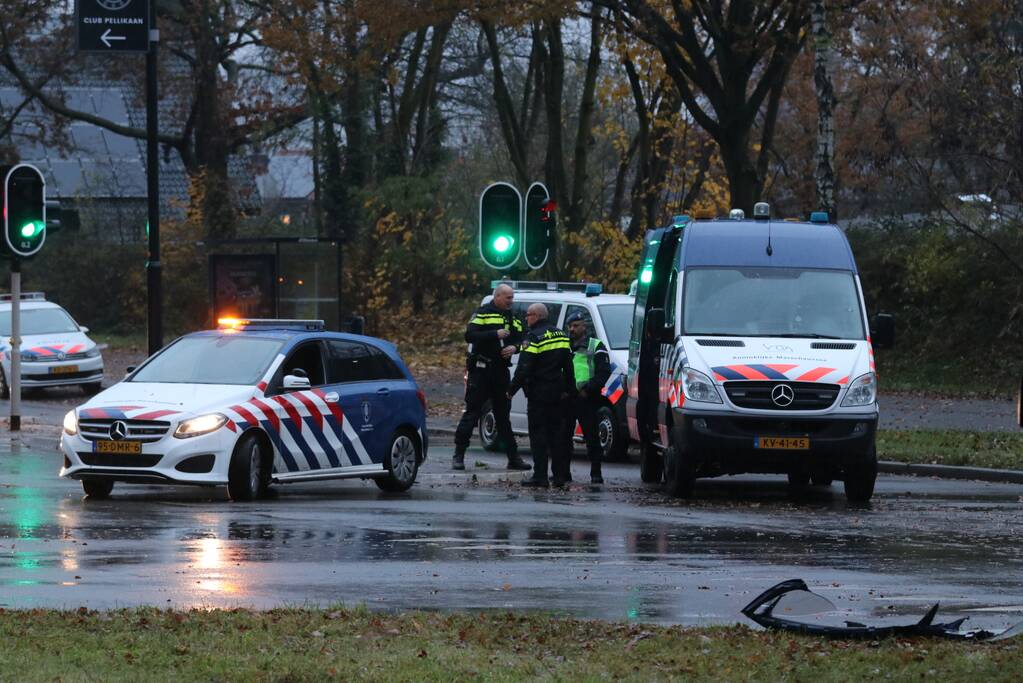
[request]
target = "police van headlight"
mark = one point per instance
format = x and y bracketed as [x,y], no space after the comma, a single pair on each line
[862,391]
[71,423]
[698,387]
[197,426]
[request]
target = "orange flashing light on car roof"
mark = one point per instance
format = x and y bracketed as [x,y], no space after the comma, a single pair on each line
[231,323]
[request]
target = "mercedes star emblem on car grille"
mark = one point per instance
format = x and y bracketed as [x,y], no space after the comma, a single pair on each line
[61,356]
[118,431]
[782,395]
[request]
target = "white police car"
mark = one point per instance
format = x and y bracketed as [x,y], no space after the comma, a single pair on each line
[54,348]
[253,403]
[609,318]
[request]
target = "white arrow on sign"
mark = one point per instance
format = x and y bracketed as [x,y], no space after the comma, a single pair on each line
[106,38]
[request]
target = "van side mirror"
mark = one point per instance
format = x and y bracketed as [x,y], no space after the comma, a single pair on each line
[882,331]
[130,369]
[294,382]
[655,322]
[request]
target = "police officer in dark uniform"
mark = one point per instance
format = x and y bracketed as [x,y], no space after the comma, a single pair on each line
[494,336]
[592,365]
[545,372]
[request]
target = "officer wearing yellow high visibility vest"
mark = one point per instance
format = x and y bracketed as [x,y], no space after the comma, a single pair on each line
[494,335]
[545,372]
[592,366]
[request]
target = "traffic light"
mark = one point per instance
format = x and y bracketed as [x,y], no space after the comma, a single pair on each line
[539,225]
[500,230]
[24,191]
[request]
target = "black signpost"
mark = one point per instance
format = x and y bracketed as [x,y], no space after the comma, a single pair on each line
[129,26]
[113,25]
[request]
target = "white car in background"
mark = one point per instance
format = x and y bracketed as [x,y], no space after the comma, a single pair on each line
[55,350]
[609,318]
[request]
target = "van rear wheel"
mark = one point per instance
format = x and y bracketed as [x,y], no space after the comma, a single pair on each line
[679,475]
[651,465]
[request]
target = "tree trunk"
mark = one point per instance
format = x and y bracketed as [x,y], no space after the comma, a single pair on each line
[211,145]
[824,173]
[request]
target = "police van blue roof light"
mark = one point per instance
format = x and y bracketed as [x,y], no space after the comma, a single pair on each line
[680,221]
[594,289]
[761,210]
[819,217]
[737,215]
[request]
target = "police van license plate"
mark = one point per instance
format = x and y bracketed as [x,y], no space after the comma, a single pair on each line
[131,447]
[784,443]
[63,369]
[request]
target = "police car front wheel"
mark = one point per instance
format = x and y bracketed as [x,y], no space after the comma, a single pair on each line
[248,476]
[401,462]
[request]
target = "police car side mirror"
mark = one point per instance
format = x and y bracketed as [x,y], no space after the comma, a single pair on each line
[130,369]
[83,329]
[882,331]
[655,322]
[292,382]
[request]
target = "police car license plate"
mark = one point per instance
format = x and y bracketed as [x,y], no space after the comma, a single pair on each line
[63,369]
[117,446]
[784,443]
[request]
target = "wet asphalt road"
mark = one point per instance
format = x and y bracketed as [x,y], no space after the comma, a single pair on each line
[623,553]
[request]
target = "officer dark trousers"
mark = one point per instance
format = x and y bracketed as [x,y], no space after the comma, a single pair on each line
[545,441]
[583,411]
[482,385]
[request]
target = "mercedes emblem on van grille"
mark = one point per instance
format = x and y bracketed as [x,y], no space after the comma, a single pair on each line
[783,396]
[119,431]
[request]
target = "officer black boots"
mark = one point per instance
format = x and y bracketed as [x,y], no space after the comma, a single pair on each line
[515,462]
[595,475]
[458,461]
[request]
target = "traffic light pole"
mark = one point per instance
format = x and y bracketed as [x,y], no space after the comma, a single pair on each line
[14,381]
[154,283]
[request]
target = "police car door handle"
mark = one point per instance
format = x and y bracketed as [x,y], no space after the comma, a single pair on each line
[331,397]
[384,391]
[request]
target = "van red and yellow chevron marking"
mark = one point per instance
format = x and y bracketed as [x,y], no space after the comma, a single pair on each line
[779,372]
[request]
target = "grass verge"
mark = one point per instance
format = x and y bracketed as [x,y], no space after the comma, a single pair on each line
[987,377]
[1000,450]
[341,644]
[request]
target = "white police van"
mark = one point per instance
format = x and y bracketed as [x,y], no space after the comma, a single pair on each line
[55,350]
[608,317]
[751,351]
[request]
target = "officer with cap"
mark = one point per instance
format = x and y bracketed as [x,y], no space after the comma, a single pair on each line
[494,335]
[545,372]
[592,366]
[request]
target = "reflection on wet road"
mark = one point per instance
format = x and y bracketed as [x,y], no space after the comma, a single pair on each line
[618,554]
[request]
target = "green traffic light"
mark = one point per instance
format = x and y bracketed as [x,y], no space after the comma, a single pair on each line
[646,275]
[503,243]
[31,229]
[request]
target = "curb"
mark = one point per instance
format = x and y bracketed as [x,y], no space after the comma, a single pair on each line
[951,472]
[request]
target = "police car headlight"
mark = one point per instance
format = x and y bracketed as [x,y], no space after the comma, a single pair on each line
[29,358]
[197,426]
[698,387]
[93,352]
[862,391]
[71,423]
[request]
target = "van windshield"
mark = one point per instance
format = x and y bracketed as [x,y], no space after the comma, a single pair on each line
[772,302]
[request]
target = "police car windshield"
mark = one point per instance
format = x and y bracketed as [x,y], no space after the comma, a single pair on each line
[227,359]
[772,302]
[617,324]
[39,321]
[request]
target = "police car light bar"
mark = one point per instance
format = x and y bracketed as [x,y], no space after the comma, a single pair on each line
[271,324]
[819,217]
[25,296]
[588,288]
